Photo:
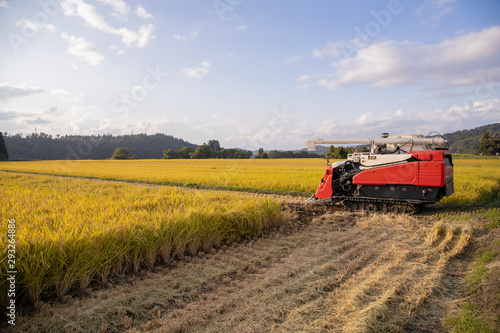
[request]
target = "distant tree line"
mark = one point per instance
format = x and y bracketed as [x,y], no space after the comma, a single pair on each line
[212,149]
[41,146]
[289,154]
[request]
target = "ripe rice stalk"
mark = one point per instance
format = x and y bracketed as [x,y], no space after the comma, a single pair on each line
[450,232]
[71,231]
[462,242]
[438,231]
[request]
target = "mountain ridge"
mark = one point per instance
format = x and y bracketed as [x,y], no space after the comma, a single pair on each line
[41,146]
[468,141]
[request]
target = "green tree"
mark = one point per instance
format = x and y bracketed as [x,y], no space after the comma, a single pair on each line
[275,154]
[123,154]
[4,154]
[185,152]
[170,154]
[339,153]
[262,154]
[490,144]
[215,145]
[484,142]
[364,149]
[203,151]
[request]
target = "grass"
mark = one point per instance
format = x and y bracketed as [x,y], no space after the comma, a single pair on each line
[481,283]
[70,232]
[493,216]
[478,270]
[467,320]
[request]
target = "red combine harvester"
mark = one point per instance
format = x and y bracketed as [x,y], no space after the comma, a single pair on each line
[401,174]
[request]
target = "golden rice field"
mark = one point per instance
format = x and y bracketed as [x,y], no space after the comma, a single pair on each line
[73,232]
[70,231]
[476,180]
[280,175]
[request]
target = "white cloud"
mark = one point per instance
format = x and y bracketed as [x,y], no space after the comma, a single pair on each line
[9,90]
[306,86]
[198,72]
[331,49]
[117,49]
[95,20]
[54,111]
[441,3]
[87,12]
[13,115]
[61,92]
[82,49]
[241,27]
[303,88]
[180,38]
[24,120]
[141,38]
[33,26]
[293,59]
[4,4]
[36,121]
[120,8]
[455,118]
[66,96]
[306,78]
[142,13]
[434,10]
[145,35]
[456,62]
[459,117]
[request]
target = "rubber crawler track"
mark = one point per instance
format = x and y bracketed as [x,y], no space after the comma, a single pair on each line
[382,205]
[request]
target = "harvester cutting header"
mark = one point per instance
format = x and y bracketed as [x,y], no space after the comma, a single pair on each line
[401,174]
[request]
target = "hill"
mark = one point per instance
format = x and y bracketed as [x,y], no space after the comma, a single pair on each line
[467,141]
[41,146]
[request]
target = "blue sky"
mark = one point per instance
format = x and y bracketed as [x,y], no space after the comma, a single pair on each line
[250,74]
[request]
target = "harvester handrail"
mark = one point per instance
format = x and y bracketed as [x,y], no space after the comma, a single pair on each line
[311,143]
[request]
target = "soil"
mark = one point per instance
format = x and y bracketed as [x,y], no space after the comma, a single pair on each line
[327,270]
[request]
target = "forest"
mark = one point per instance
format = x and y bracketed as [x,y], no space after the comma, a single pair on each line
[41,146]
[469,141]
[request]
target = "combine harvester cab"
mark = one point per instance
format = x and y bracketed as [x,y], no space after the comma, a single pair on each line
[400,174]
